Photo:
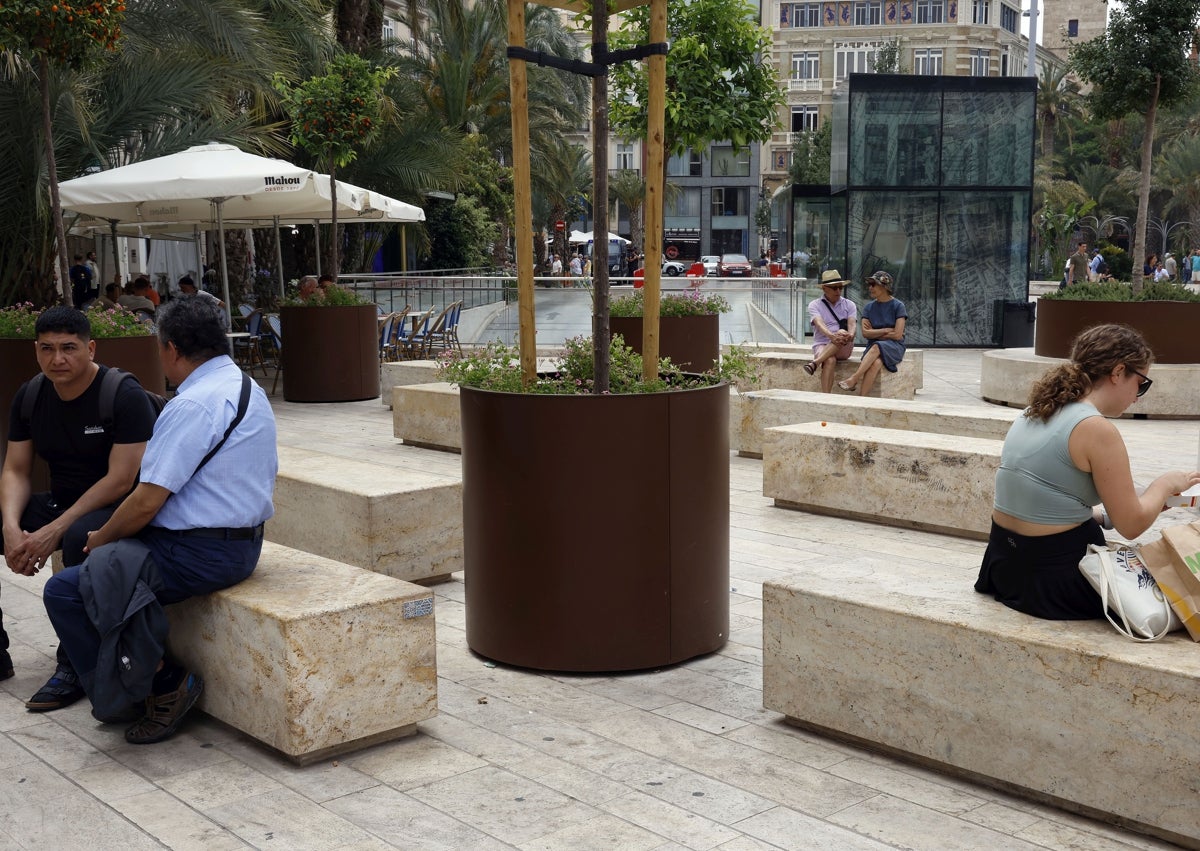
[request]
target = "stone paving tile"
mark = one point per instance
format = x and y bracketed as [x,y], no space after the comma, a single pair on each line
[163,760]
[57,746]
[217,785]
[174,823]
[674,823]
[795,831]
[746,843]
[413,761]
[111,781]
[397,818]
[284,819]
[907,825]
[582,784]
[704,796]
[602,833]
[906,785]
[793,744]
[318,782]
[700,718]
[511,808]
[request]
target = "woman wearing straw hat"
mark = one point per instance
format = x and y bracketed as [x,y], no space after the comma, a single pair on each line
[833,319]
[883,323]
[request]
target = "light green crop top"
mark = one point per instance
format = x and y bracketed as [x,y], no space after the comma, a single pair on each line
[1037,481]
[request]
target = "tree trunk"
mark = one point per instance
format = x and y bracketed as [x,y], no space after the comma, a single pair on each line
[1048,137]
[601,356]
[1139,236]
[359,24]
[64,271]
[236,256]
[266,288]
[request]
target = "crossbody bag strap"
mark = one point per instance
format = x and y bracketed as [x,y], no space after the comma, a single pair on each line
[836,319]
[243,404]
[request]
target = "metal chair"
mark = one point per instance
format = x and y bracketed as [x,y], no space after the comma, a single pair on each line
[251,346]
[277,340]
[412,344]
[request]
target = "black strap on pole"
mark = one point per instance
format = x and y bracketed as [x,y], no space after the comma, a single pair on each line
[601,57]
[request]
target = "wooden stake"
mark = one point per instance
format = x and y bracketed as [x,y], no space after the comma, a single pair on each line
[522,197]
[655,178]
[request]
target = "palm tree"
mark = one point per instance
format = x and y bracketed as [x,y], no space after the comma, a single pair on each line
[1178,170]
[1057,95]
[187,71]
[560,185]
[628,187]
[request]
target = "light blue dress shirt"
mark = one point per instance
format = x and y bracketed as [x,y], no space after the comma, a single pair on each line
[235,488]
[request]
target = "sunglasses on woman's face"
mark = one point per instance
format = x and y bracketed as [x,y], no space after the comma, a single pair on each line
[1144,384]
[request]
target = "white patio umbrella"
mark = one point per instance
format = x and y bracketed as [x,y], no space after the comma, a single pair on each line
[578,236]
[207,184]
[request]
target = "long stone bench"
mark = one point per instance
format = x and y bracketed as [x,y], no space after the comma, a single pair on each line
[310,656]
[750,413]
[785,371]
[917,356]
[403,523]
[401,373]
[910,660]
[936,482]
[427,415]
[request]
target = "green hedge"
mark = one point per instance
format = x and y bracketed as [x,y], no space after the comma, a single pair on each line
[1118,291]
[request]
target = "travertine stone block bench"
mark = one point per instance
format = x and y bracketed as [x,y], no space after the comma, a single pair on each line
[403,523]
[750,413]
[785,371]
[917,356]
[937,482]
[401,373]
[310,656]
[427,415]
[909,659]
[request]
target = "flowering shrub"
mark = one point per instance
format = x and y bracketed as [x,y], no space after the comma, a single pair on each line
[66,31]
[17,323]
[690,302]
[498,367]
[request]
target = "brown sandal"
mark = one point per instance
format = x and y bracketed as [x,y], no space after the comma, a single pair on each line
[164,712]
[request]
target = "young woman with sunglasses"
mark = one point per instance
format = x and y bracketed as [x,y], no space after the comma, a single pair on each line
[1064,471]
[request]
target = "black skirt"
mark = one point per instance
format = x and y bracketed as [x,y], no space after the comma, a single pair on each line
[1040,575]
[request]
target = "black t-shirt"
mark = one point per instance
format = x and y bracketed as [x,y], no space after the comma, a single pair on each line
[71,437]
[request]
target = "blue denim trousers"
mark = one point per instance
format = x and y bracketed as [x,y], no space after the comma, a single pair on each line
[187,567]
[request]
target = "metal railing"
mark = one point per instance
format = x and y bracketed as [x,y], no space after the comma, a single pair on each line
[423,290]
[786,300]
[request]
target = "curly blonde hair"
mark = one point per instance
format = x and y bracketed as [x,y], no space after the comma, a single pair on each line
[1095,353]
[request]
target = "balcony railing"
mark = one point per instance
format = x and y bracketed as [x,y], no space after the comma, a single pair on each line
[807,84]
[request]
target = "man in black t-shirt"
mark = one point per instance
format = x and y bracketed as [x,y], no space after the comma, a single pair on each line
[93,465]
[81,282]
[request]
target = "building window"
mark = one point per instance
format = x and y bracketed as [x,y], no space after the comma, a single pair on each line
[683,203]
[1004,62]
[806,14]
[981,62]
[727,201]
[1073,28]
[685,165]
[927,62]
[856,57]
[930,11]
[389,29]
[804,119]
[868,12]
[727,162]
[980,10]
[1009,17]
[806,66]
[625,156]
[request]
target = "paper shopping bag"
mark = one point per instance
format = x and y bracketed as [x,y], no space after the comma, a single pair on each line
[1174,562]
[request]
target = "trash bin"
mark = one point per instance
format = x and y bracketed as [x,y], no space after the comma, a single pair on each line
[1012,323]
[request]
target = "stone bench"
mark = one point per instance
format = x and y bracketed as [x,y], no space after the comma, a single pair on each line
[750,413]
[427,415]
[917,356]
[940,483]
[403,523]
[910,660]
[785,371]
[401,373]
[310,656]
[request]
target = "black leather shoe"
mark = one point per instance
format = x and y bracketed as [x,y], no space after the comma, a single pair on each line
[60,690]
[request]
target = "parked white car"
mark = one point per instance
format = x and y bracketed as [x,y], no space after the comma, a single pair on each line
[711,262]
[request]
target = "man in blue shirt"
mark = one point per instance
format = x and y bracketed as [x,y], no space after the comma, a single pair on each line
[201,521]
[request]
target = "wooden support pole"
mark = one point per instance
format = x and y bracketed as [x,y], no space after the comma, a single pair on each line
[602,355]
[655,180]
[522,197]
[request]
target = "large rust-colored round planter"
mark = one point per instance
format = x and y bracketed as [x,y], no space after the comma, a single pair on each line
[330,354]
[18,364]
[596,528]
[693,343]
[1168,326]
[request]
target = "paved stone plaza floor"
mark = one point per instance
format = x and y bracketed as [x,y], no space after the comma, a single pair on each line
[682,757]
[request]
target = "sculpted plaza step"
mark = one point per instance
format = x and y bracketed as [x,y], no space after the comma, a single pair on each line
[908,658]
[940,483]
[753,412]
[311,656]
[391,520]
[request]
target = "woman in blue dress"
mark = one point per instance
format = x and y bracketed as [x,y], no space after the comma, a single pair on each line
[883,323]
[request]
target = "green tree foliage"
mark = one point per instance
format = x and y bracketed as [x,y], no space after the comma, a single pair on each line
[811,153]
[628,188]
[889,58]
[721,82]
[461,233]
[1057,95]
[1178,170]
[1138,65]
[335,114]
[66,35]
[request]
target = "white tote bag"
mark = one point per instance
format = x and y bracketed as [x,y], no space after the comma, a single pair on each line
[1126,587]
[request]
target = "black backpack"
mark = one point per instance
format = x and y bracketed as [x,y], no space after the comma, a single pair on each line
[108,399]
[108,396]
